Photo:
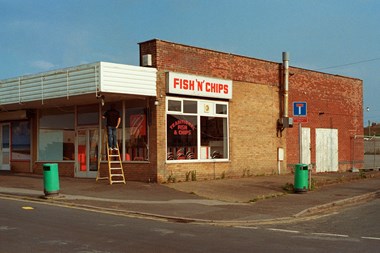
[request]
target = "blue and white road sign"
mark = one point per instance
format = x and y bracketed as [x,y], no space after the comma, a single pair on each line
[299,109]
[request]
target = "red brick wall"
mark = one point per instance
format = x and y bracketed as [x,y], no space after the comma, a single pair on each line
[255,109]
[65,169]
[332,102]
[20,166]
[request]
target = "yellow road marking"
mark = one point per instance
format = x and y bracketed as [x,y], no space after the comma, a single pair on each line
[27,208]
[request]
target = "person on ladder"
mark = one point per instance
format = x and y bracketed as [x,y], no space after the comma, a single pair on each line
[113,119]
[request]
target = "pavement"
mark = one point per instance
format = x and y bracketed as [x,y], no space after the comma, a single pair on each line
[244,201]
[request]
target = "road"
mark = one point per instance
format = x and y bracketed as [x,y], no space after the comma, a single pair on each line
[35,227]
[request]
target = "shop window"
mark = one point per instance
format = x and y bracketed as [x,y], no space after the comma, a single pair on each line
[196,120]
[57,118]
[136,131]
[182,137]
[21,140]
[56,135]
[190,106]
[174,105]
[214,137]
[88,115]
[119,107]
[221,109]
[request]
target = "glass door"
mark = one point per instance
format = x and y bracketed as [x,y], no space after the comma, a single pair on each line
[87,152]
[4,146]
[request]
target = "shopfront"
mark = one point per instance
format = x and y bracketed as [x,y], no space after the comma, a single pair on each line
[185,110]
[197,128]
[77,135]
[64,122]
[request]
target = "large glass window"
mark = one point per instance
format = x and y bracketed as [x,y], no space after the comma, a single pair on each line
[197,129]
[136,130]
[21,140]
[214,137]
[56,136]
[88,115]
[182,137]
[57,130]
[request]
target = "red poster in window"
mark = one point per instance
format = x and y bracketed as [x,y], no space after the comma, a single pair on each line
[138,125]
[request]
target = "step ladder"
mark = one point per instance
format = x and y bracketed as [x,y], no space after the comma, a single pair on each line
[115,166]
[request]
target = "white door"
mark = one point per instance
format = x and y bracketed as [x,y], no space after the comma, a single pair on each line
[306,156]
[326,150]
[4,146]
[87,152]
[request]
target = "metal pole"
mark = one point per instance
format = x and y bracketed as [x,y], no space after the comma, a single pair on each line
[300,140]
[374,152]
[369,128]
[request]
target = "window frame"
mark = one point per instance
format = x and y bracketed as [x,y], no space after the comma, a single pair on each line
[71,110]
[202,111]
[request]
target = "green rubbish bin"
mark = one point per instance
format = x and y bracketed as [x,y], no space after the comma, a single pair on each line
[301,178]
[51,179]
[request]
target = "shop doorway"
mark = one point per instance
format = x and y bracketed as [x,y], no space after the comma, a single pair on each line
[87,152]
[5,146]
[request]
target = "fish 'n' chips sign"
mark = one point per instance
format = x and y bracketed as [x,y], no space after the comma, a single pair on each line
[201,86]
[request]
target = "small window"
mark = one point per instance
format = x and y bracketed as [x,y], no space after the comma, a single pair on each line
[174,106]
[221,109]
[190,106]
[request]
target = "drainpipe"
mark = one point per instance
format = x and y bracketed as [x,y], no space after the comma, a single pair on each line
[285,60]
[284,121]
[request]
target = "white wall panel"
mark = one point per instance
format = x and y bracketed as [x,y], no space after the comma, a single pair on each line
[125,79]
[326,150]
[306,154]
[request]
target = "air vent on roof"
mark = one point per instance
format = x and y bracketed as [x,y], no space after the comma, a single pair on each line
[147,60]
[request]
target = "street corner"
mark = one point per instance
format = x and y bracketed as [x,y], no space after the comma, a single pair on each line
[335,206]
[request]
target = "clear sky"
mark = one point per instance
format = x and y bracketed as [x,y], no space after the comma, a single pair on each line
[334,36]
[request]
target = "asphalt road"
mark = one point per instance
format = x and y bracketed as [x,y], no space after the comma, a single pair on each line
[34,227]
[354,224]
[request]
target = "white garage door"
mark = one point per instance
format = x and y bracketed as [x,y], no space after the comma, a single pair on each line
[306,156]
[326,150]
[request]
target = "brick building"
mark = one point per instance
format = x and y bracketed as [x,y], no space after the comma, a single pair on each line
[186,112]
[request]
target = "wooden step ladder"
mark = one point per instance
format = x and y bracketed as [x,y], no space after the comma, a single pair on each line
[115,165]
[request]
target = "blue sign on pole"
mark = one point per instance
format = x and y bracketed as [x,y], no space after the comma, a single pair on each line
[299,109]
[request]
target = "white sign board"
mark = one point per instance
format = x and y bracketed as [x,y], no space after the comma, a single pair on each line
[201,86]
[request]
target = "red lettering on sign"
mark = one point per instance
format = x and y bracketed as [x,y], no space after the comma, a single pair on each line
[217,88]
[225,89]
[182,122]
[182,127]
[200,85]
[184,132]
[184,84]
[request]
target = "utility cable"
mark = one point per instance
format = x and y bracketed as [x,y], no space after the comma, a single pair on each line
[349,64]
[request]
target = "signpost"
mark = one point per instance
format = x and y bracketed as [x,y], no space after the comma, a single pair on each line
[300,116]
[300,112]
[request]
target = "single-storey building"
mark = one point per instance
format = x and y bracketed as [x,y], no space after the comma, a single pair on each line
[187,113]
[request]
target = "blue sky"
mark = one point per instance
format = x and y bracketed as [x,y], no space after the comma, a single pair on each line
[41,35]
